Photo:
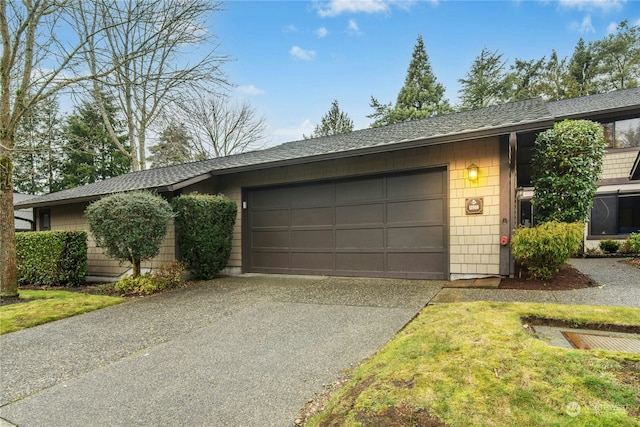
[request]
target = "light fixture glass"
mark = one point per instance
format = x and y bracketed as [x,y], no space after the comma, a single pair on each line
[473,172]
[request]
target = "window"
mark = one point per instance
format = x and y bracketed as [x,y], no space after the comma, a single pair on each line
[615,214]
[622,133]
[45,219]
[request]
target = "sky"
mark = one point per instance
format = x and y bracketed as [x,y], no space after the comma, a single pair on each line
[291,59]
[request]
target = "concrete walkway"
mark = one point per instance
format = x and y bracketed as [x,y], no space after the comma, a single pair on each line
[619,285]
[238,351]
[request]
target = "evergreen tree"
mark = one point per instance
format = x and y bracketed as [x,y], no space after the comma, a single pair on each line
[486,82]
[524,79]
[618,58]
[332,123]
[421,96]
[553,84]
[581,72]
[90,154]
[36,156]
[174,146]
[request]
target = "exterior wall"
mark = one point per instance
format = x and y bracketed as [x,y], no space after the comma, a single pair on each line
[618,163]
[474,239]
[71,217]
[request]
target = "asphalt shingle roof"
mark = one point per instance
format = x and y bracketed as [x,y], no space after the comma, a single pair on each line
[426,131]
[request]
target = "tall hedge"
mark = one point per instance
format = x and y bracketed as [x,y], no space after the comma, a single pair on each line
[51,258]
[204,231]
[566,163]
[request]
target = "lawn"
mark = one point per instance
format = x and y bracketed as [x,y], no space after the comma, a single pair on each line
[47,306]
[476,364]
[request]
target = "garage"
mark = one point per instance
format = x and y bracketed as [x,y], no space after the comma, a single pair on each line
[376,226]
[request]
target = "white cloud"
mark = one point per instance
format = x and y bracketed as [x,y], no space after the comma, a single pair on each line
[322,32]
[337,7]
[293,133]
[602,5]
[300,53]
[290,29]
[584,27]
[612,27]
[250,90]
[352,27]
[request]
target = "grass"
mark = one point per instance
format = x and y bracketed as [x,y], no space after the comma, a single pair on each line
[47,306]
[475,364]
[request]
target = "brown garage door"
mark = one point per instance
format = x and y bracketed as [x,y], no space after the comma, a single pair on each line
[378,226]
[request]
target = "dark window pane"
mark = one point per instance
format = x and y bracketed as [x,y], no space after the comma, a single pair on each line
[629,214]
[604,215]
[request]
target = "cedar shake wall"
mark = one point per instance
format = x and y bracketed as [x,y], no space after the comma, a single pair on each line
[618,163]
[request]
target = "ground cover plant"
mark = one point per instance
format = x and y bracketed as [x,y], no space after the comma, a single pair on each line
[478,364]
[44,306]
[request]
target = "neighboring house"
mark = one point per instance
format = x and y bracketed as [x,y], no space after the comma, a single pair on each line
[23,218]
[435,198]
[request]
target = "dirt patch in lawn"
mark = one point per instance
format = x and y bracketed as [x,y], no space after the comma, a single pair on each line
[567,278]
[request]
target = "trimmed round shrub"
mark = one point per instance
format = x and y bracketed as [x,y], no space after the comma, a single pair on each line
[130,227]
[610,246]
[545,248]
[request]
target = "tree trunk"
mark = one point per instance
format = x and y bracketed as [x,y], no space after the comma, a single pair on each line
[8,269]
[136,267]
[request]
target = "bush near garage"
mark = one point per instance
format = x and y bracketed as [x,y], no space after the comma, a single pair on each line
[634,242]
[545,248]
[130,226]
[204,232]
[609,246]
[51,258]
[167,276]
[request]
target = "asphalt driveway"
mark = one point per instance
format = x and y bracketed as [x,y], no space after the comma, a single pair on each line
[237,351]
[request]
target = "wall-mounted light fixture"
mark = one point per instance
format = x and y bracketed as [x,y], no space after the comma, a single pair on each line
[473,172]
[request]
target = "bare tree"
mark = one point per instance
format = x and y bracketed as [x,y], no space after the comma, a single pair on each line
[175,53]
[46,45]
[220,127]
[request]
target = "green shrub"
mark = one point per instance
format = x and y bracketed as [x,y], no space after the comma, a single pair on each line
[610,246]
[545,248]
[168,276]
[204,232]
[130,226]
[634,242]
[51,258]
[566,163]
[141,285]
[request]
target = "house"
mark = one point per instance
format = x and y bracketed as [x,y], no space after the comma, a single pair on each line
[23,218]
[435,198]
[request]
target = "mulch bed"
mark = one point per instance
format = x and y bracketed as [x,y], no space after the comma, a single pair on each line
[568,278]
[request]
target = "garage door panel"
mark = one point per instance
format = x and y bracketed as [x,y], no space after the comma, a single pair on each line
[360,214]
[415,210]
[270,218]
[312,261]
[312,239]
[415,262]
[265,198]
[360,190]
[270,239]
[360,262]
[380,226]
[416,237]
[312,194]
[366,238]
[413,185]
[312,216]
[270,260]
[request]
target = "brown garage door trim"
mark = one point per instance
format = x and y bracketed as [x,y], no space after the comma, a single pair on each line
[387,255]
